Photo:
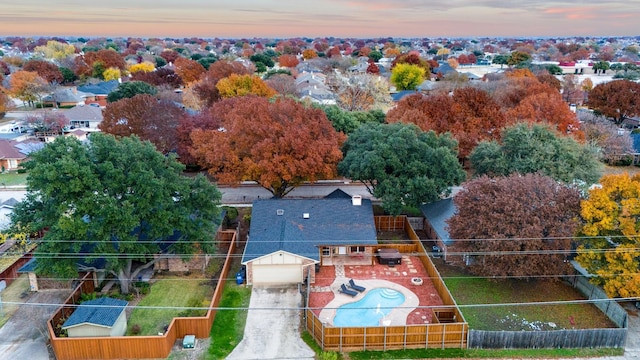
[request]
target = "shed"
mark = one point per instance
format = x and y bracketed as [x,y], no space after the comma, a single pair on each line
[100,317]
[436,215]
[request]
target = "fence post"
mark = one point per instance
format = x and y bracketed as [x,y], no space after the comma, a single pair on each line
[444,332]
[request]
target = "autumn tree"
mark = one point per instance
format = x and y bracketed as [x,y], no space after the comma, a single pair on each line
[309,54]
[515,226]
[188,70]
[144,66]
[159,77]
[242,85]
[113,205]
[618,100]
[537,148]
[111,74]
[27,86]
[131,89]
[400,164]
[407,76]
[283,84]
[470,115]
[609,238]
[279,144]
[288,60]
[411,58]
[55,50]
[361,92]
[202,120]
[46,70]
[612,145]
[47,122]
[205,89]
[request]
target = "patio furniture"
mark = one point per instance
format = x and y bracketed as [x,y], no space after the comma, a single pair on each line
[389,257]
[356,287]
[344,290]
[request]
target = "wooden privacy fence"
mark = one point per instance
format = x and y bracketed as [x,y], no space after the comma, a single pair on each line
[133,347]
[11,273]
[430,336]
[609,307]
[573,338]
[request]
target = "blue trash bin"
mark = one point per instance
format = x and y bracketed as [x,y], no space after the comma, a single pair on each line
[239,279]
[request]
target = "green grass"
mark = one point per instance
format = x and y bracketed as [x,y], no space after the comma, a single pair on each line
[483,353]
[167,293]
[13,294]
[228,326]
[12,178]
[470,290]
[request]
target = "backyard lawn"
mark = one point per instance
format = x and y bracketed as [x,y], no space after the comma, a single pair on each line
[168,293]
[12,178]
[13,295]
[470,290]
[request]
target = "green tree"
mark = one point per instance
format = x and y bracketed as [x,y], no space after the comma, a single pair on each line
[407,76]
[519,59]
[131,89]
[68,76]
[400,164]
[112,204]
[534,149]
[600,67]
[375,55]
[501,59]
[348,121]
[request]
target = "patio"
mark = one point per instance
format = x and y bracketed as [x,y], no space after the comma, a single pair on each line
[324,292]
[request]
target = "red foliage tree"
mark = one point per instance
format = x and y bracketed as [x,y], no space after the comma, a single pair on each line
[169,55]
[617,100]
[526,235]
[188,70]
[288,60]
[470,115]
[159,77]
[206,89]
[278,144]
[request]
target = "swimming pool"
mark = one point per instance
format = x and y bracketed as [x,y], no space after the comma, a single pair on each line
[368,311]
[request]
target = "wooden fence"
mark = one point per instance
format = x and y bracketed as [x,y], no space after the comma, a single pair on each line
[609,307]
[573,338]
[133,347]
[449,329]
[11,273]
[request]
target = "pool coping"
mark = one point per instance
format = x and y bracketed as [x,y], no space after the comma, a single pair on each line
[397,316]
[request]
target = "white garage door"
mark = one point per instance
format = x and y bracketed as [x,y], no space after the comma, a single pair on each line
[277,274]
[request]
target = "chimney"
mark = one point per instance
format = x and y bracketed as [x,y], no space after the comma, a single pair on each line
[280,212]
[305,215]
[356,200]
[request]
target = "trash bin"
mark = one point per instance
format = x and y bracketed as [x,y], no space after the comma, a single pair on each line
[239,278]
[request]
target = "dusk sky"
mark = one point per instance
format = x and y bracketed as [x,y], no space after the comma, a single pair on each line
[339,18]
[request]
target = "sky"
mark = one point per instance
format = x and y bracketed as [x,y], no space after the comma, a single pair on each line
[319,18]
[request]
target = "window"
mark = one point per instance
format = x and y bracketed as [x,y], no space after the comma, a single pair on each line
[326,251]
[357,249]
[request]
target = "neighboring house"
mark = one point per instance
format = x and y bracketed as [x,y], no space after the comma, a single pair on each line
[6,208]
[64,97]
[100,317]
[288,238]
[85,117]
[436,215]
[13,153]
[399,95]
[97,93]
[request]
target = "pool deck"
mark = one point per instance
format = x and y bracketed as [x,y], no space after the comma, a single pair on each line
[325,298]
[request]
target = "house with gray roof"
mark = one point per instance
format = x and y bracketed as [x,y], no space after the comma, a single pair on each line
[288,238]
[436,215]
[13,153]
[64,97]
[100,317]
[84,117]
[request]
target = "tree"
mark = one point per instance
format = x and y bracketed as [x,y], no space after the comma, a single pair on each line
[159,78]
[46,70]
[361,92]
[600,67]
[47,122]
[279,144]
[309,54]
[206,89]
[5,103]
[519,59]
[143,66]
[55,50]
[68,76]
[263,58]
[470,115]
[288,60]
[618,100]
[518,225]
[242,85]
[610,143]
[348,121]
[131,89]
[188,70]
[283,84]
[400,164]
[407,76]
[530,149]
[116,202]
[111,74]
[501,59]
[609,237]
[27,86]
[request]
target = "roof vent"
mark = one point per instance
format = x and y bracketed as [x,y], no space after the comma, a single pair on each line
[305,215]
[280,212]
[356,200]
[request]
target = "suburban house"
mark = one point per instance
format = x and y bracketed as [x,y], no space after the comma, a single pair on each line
[13,153]
[85,117]
[6,208]
[97,93]
[64,97]
[436,215]
[100,317]
[289,238]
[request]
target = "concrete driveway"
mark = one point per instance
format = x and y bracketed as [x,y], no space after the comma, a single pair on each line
[273,327]
[23,336]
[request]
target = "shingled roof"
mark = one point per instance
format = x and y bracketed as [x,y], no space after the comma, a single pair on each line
[102,312]
[299,226]
[437,213]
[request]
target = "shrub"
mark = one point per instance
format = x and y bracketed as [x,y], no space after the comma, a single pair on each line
[328,355]
[87,297]
[135,329]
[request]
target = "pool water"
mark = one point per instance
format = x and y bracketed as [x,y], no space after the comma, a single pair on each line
[368,311]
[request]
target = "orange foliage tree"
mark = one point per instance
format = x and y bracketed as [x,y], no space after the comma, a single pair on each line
[288,60]
[188,70]
[205,89]
[470,115]
[241,85]
[278,144]
[617,100]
